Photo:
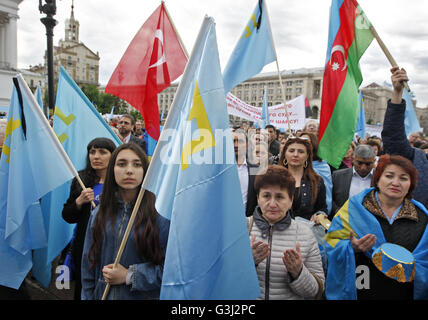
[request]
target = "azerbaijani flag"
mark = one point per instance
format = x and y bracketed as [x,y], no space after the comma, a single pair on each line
[349,37]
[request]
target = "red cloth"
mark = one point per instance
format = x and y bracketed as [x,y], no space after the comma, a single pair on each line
[152,60]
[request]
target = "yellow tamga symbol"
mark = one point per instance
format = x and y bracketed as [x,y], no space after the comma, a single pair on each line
[206,139]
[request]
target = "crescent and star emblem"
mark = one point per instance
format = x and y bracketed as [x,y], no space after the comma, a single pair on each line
[336,65]
[159,36]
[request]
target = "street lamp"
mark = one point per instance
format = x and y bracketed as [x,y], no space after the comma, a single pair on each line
[50,10]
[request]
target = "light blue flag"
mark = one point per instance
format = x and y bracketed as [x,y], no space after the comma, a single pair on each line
[265,112]
[323,169]
[360,130]
[195,179]
[76,123]
[253,51]
[39,99]
[411,122]
[32,164]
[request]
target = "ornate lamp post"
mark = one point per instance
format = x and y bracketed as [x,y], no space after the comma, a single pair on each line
[50,10]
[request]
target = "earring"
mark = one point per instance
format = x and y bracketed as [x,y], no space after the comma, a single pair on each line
[306,164]
[285,162]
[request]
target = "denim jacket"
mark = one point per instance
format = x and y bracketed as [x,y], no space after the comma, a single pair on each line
[146,279]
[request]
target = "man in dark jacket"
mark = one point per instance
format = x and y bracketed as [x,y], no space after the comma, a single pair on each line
[394,135]
[351,181]
[246,176]
[274,145]
[126,128]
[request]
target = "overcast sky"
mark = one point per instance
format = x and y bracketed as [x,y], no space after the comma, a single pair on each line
[299,27]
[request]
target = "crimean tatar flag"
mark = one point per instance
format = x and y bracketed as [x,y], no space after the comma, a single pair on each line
[153,59]
[32,164]
[349,37]
[254,49]
[194,176]
[76,122]
[265,111]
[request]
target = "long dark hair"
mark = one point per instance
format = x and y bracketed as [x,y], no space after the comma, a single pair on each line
[308,172]
[145,225]
[88,175]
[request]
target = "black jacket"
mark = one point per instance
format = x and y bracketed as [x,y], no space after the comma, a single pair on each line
[341,180]
[395,142]
[71,214]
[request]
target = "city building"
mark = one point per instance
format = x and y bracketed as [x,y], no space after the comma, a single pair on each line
[306,81]
[8,48]
[375,98]
[81,63]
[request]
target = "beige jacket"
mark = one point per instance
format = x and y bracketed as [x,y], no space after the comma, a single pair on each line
[275,282]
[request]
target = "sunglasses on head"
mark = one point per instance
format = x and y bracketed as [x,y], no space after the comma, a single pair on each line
[298,138]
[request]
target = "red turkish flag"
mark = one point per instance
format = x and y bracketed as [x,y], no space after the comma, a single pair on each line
[152,60]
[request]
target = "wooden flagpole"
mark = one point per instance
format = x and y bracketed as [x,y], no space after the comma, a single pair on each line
[176,31]
[125,236]
[279,72]
[55,139]
[283,95]
[83,188]
[387,53]
[142,190]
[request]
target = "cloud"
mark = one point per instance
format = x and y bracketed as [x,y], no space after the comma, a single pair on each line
[300,32]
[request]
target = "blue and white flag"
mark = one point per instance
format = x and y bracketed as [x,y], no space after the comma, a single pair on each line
[76,123]
[264,119]
[194,176]
[254,49]
[360,130]
[411,123]
[32,164]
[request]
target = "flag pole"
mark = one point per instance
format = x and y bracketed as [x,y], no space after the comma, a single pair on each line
[53,136]
[176,31]
[279,72]
[142,189]
[283,94]
[386,52]
[126,236]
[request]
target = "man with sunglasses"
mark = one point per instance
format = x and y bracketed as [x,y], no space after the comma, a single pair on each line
[351,181]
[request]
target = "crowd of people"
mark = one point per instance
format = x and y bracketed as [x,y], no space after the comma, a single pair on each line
[310,225]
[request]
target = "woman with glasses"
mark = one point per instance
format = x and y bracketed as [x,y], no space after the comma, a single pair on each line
[310,193]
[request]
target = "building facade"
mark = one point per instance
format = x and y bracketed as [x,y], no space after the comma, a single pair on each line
[81,63]
[306,81]
[376,97]
[8,48]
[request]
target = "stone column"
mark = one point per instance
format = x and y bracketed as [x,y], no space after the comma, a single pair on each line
[11,41]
